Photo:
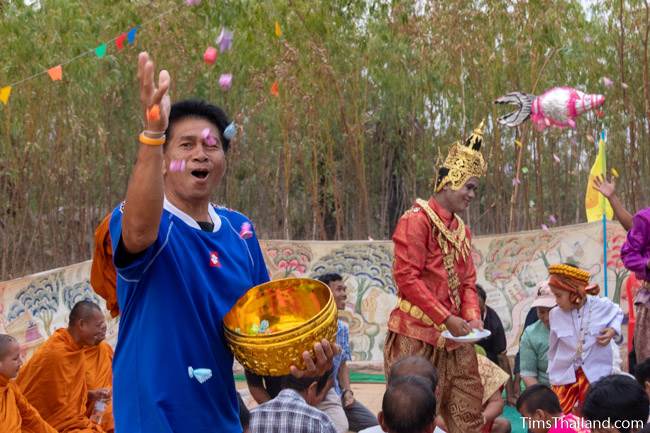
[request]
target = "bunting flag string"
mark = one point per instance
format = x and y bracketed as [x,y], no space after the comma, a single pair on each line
[56,72]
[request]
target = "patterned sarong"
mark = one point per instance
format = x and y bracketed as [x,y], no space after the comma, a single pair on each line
[572,395]
[459,386]
[642,333]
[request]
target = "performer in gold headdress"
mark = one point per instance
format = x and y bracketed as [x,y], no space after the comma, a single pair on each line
[436,278]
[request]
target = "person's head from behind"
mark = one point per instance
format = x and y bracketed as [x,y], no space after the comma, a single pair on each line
[482,297]
[313,389]
[642,374]
[619,400]
[10,359]
[87,323]
[337,286]
[409,406]
[539,405]
[414,366]
[196,135]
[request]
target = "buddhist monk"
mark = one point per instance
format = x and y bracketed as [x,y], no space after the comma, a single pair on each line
[16,414]
[55,379]
[99,380]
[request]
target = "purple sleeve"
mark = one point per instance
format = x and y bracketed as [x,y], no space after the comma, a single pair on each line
[636,250]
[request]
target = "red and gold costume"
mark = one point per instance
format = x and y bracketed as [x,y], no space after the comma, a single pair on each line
[436,278]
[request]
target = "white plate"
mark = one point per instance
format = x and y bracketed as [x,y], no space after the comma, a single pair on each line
[472,337]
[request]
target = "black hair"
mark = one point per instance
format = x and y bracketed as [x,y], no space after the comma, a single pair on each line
[301,385]
[81,311]
[617,398]
[539,396]
[414,366]
[442,173]
[201,109]
[244,413]
[5,341]
[409,405]
[481,292]
[328,278]
[642,372]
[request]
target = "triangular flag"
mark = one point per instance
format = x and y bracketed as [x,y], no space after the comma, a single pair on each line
[4,94]
[595,203]
[56,73]
[278,29]
[100,51]
[119,42]
[131,35]
[275,89]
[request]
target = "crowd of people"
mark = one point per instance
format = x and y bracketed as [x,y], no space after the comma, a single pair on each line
[171,264]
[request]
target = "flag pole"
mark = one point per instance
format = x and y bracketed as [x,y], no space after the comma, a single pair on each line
[602,206]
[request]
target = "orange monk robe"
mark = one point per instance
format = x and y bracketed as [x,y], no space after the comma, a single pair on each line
[54,382]
[16,414]
[103,277]
[99,374]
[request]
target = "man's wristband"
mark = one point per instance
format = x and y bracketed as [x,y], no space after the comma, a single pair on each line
[152,141]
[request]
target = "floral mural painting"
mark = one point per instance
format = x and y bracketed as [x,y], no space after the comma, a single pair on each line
[367,271]
[287,260]
[41,299]
[508,267]
[615,241]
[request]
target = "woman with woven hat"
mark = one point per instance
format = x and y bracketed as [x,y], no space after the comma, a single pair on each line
[581,330]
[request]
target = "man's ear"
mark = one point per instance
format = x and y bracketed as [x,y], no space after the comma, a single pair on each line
[382,421]
[311,394]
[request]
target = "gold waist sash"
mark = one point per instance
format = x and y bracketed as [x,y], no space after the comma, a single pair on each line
[417,313]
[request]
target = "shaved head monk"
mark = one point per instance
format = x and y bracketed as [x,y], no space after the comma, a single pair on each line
[16,414]
[70,372]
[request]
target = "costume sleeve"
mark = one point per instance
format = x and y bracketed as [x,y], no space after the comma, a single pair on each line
[635,253]
[527,357]
[617,317]
[410,241]
[469,307]
[31,420]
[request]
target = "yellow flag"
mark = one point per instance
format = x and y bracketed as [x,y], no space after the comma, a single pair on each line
[4,94]
[278,29]
[595,203]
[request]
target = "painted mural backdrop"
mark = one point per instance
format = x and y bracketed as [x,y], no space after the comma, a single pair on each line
[31,308]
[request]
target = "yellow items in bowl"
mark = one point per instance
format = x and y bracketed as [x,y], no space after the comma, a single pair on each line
[270,327]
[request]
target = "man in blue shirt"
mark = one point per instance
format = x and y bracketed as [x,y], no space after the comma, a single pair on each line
[339,402]
[181,264]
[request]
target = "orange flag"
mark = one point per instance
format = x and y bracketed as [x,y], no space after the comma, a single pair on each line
[275,89]
[4,94]
[278,30]
[56,73]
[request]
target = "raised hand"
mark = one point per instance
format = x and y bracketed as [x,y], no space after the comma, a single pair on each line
[606,187]
[151,96]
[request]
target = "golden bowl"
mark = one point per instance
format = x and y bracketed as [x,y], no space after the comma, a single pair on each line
[293,314]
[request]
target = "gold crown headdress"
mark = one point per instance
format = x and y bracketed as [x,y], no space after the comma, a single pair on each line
[570,271]
[463,162]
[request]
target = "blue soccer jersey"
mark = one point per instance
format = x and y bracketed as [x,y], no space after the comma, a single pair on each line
[172,299]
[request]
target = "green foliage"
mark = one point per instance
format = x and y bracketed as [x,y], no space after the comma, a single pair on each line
[372,93]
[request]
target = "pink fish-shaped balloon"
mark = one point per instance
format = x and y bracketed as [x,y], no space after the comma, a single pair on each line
[559,107]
